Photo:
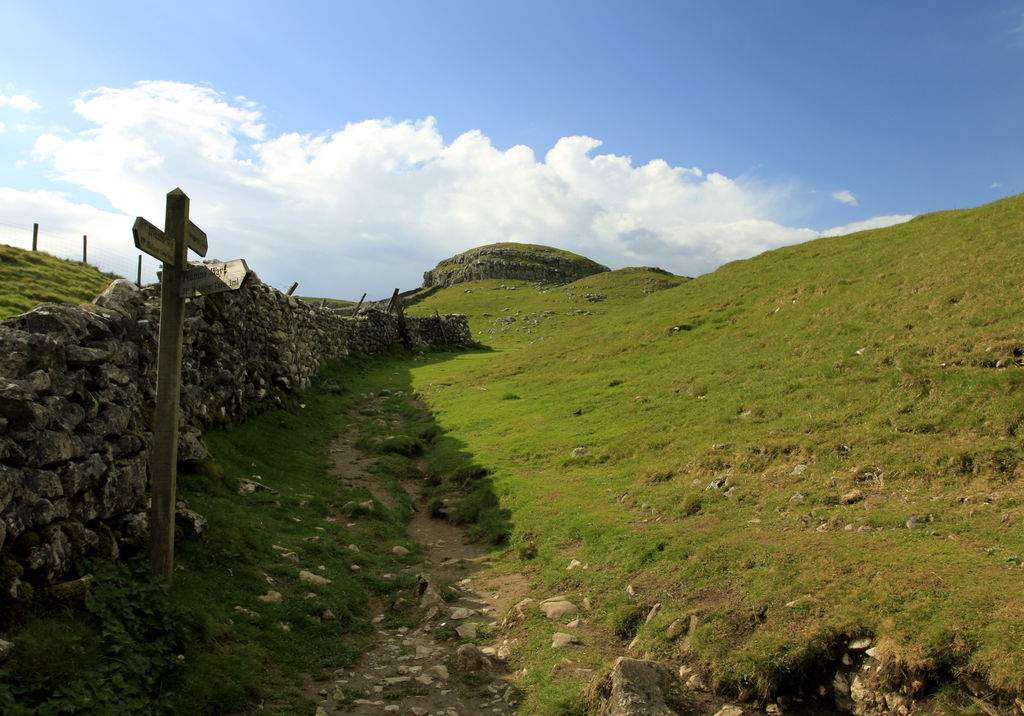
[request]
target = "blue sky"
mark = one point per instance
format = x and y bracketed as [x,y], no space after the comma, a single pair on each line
[351,146]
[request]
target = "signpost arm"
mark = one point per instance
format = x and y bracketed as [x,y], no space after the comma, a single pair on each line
[164,462]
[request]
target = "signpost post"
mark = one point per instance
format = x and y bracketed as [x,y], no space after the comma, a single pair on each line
[178,281]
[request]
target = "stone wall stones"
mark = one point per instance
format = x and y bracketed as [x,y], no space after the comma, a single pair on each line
[77,394]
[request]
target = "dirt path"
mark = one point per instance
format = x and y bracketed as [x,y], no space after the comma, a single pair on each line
[449,659]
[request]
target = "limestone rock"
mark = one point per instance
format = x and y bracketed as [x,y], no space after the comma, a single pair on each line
[729,710]
[306,576]
[467,630]
[558,608]
[469,662]
[634,687]
[512,261]
[560,640]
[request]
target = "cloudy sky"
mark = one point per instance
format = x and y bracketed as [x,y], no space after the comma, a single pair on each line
[350,146]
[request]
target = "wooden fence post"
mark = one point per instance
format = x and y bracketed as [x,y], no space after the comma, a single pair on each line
[35,236]
[440,324]
[164,461]
[85,255]
[138,281]
[292,289]
[403,330]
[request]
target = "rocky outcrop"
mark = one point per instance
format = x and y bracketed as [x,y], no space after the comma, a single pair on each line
[634,687]
[77,394]
[512,261]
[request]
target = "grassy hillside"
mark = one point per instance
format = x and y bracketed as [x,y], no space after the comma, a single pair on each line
[28,278]
[858,402]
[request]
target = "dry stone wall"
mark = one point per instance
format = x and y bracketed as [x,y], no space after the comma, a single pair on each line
[78,389]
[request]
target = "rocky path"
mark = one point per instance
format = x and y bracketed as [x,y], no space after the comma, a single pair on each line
[450,660]
[442,652]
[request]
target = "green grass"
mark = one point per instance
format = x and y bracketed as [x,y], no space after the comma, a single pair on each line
[28,278]
[837,390]
[226,650]
[887,362]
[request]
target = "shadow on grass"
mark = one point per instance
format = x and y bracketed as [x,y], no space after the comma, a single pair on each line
[458,485]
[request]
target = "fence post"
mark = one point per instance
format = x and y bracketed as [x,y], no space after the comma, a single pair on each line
[85,254]
[292,289]
[35,236]
[138,281]
[440,324]
[403,331]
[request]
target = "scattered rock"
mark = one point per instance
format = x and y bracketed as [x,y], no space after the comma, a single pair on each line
[271,597]
[634,687]
[558,608]
[467,630]
[674,630]
[192,523]
[852,497]
[579,452]
[399,551]
[307,576]
[560,640]
[469,662]
[248,487]
[729,710]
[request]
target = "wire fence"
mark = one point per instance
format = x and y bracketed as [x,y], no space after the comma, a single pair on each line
[125,264]
[128,264]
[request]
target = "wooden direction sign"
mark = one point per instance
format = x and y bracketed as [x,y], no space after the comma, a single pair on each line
[213,277]
[157,244]
[197,239]
[153,241]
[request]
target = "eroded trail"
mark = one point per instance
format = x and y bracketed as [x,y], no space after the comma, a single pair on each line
[442,653]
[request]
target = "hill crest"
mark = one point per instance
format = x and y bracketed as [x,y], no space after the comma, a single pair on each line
[530,262]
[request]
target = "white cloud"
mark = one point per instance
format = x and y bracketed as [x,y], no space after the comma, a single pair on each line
[18,101]
[373,205]
[876,222]
[995,185]
[845,197]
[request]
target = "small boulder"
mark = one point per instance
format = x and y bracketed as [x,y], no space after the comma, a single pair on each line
[306,576]
[469,662]
[558,608]
[560,640]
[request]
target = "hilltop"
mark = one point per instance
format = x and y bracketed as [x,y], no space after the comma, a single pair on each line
[527,262]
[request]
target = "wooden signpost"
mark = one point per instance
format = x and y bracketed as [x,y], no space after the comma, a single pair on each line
[178,281]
